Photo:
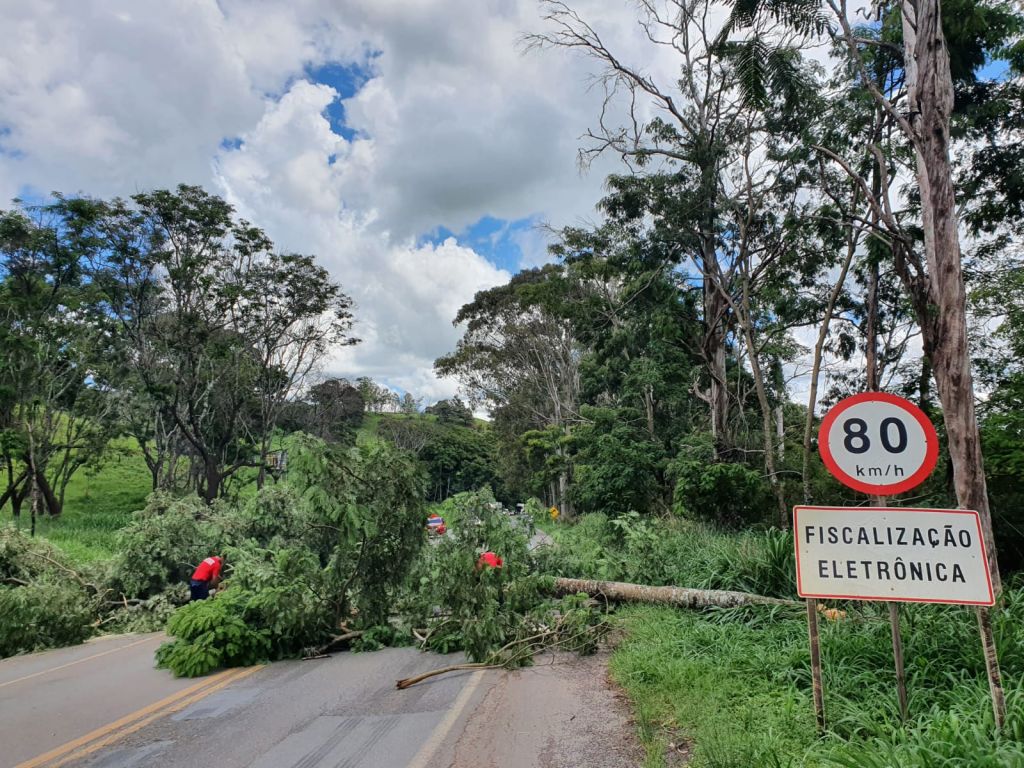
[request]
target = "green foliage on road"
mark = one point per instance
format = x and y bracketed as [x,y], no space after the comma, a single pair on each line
[478,610]
[40,607]
[212,634]
[331,549]
[162,544]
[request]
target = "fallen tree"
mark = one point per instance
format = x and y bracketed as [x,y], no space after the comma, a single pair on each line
[520,650]
[570,625]
[681,597]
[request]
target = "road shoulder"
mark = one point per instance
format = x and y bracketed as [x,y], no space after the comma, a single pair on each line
[561,713]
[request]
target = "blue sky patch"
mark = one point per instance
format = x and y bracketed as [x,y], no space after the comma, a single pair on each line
[497,240]
[346,79]
[995,69]
[29,196]
[17,154]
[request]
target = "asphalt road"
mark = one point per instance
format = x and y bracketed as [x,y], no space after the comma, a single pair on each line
[48,699]
[103,705]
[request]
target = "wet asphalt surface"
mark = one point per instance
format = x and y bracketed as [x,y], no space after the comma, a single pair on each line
[104,705]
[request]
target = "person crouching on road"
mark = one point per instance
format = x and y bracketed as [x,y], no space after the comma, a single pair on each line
[205,577]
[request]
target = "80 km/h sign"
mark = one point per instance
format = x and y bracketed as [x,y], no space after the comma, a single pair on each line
[878,443]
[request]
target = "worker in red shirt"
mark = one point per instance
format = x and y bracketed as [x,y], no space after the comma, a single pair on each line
[205,576]
[489,560]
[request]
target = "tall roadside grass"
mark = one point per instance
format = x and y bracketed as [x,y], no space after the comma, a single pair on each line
[672,552]
[733,686]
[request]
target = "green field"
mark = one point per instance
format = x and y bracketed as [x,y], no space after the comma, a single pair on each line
[97,505]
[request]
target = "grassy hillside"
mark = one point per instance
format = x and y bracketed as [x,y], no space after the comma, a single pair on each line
[97,505]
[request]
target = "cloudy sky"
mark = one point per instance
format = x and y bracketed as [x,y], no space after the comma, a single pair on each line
[410,144]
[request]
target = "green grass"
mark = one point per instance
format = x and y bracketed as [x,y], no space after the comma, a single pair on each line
[734,685]
[97,505]
[722,691]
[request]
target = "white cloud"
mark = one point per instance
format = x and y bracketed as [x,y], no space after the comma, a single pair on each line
[456,124]
[406,296]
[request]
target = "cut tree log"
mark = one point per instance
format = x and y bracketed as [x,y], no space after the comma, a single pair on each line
[682,597]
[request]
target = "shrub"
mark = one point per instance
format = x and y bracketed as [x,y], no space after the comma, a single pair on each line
[762,563]
[342,537]
[270,608]
[150,615]
[728,494]
[43,615]
[476,611]
[390,494]
[42,603]
[287,594]
[24,558]
[587,549]
[273,516]
[212,634]
[536,510]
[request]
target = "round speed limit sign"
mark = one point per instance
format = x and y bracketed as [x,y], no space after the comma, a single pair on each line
[878,443]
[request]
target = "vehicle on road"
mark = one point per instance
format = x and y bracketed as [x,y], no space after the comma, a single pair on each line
[435,525]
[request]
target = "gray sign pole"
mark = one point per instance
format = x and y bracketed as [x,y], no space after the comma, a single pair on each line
[897,639]
[816,686]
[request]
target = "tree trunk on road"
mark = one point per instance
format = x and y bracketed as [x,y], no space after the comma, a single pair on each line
[681,597]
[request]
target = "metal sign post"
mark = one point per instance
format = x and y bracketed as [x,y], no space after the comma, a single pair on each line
[897,643]
[817,689]
[897,654]
[881,444]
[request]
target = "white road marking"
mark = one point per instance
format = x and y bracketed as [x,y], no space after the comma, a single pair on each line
[79,661]
[430,746]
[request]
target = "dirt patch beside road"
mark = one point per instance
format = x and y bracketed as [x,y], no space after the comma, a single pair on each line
[561,713]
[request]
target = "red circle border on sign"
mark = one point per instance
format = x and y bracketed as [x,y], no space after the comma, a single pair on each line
[931,456]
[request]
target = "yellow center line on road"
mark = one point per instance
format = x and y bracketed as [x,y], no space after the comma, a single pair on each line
[423,758]
[80,661]
[132,722]
[78,754]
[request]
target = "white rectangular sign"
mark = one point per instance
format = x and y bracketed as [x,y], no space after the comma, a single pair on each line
[882,553]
